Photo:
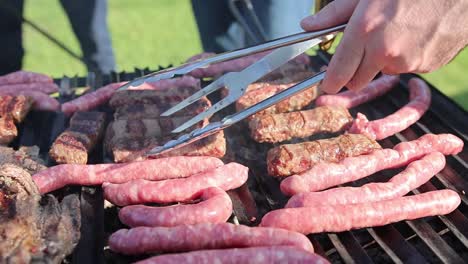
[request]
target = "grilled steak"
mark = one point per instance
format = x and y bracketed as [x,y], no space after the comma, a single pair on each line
[134,150]
[285,126]
[290,159]
[16,107]
[74,144]
[34,230]
[161,98]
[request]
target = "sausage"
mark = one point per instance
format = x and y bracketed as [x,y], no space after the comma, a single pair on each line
[41,100]
[24,77]
[253,255]
[234,65]
[289,159]
[141,240]
[215,207]
[338,217]
[91,100]
[59,176]
[47,88]
[350,99]
[96,98]
[285,126]
[326,174]
[227,177]
[420,100]
[416,174]
[293,103]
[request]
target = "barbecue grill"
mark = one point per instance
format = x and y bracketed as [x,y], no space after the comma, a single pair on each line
[432,239]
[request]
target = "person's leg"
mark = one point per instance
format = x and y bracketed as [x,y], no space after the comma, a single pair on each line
[11,46]
[88,19]
[213,19]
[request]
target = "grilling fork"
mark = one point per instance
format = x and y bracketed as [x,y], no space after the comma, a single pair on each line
[236,83]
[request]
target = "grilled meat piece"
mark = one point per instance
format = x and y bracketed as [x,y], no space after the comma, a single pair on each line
[161,98]
[8,131]
[34,230]
[15,106]
[258,92]
[74,144]
[290,159]
[135,150]
[25,157]
[140,111]
[285,126]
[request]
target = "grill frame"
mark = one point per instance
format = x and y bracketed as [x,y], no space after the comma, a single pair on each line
[433,239]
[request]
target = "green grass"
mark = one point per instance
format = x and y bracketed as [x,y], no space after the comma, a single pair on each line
[148,33]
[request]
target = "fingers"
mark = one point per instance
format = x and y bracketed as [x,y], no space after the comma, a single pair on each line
[366,71]
[348,56]
[337,12]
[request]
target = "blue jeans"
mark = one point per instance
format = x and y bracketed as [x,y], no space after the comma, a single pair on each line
[220,31]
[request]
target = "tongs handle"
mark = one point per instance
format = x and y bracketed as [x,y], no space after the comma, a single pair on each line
[273,44]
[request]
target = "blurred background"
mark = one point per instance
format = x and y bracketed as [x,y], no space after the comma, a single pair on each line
[149,33]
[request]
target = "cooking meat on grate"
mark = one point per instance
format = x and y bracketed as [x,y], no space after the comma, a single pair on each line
[59,176]
[74,144]
[326,174]
[286,126]
[416,174]
[25,157]
[338,218]
[215,206]
[420,100]
[150,111]
[34,229]
[252,255]
[259,92]
[93,99]
[16,107]
[289,159]
[13,109]
[141,240]
[350,99]
[239,64]
[41,101]
[227,177]
[24,77]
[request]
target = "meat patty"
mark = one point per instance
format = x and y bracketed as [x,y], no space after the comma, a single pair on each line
[74,144]
[285,126]
[15,106]
[290,159]
[8,130]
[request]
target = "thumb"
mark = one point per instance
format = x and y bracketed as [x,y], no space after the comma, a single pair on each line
[337,12]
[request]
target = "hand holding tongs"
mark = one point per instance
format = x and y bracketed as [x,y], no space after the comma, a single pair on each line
[287,48]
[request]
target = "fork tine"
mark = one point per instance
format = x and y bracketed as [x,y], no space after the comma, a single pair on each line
[195,97]
[207,113]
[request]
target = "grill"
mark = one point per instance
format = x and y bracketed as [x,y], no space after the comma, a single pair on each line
[442,239]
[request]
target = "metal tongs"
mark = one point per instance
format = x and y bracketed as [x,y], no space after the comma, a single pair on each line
[236,83]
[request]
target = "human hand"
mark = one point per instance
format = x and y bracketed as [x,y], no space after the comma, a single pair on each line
[392,36]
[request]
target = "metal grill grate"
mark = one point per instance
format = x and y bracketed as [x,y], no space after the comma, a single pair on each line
[433,239]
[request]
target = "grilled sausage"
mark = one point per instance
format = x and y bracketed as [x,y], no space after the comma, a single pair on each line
[285,126]
[24,77]
[59,176]
[181,238]
[416,174]
[350,99]
[253,255]
[326,175]
[289,159]
[47,88]
[215,207]
[227,177]
[338,218]
[420,100]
